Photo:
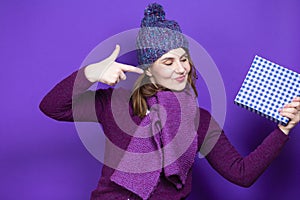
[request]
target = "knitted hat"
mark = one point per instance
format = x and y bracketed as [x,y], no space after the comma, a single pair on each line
[157,36]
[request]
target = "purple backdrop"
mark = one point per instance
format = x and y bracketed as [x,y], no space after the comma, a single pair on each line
[44,41]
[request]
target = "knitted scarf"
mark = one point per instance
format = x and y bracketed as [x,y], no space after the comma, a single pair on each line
[164,144]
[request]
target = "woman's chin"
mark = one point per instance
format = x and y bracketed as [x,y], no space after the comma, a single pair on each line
[177,88]
[174,86]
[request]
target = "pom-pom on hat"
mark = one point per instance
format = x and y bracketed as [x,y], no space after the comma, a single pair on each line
[157,36]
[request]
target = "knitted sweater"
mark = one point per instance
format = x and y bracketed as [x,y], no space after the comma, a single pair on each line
[212,142]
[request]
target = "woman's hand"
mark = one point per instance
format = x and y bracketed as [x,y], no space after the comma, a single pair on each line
[291,111]
[108,71]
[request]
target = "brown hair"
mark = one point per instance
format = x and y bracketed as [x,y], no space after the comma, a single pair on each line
[144,88]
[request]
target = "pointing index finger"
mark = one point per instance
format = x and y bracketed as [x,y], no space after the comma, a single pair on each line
[129,68]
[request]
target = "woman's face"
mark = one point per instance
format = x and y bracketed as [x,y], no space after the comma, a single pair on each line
[171,70]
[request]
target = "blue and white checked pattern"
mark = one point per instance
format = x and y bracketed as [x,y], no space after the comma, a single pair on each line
[268,87]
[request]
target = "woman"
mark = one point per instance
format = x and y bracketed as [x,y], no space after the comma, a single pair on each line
[168,129]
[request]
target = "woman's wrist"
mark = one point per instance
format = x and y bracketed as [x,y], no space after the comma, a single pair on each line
[284,129]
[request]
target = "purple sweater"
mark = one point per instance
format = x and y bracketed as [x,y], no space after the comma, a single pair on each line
[223,157]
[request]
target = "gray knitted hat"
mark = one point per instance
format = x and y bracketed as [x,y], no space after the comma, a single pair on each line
[157,36]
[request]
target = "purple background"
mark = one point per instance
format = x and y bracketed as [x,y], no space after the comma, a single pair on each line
[44,41]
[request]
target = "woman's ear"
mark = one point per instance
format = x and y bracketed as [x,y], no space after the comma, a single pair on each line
[148,72]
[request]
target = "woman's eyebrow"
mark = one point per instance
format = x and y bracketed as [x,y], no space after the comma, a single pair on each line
[172,58]
[184,55]
[167,58]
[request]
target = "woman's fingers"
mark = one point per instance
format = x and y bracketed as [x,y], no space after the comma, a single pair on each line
[290,115]
[108,71]
[120,69]
[114,54]
[122,76]
[291,108]
[123,67]
[291,111]
[129,68]
[296,101]
[293,104]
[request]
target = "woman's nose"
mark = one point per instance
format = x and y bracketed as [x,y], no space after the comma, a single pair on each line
[180,69]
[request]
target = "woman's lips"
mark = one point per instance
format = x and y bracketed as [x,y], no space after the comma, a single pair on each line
[180,78]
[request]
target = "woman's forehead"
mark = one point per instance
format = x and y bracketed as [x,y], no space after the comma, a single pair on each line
[174,53]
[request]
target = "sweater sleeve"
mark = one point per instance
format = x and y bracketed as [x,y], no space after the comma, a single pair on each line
[226,160]
[70,100]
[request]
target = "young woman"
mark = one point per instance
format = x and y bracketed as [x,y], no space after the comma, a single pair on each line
[169,128]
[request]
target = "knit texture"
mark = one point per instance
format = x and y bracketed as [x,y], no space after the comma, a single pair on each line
[157,36]
[223,157]
[171,144]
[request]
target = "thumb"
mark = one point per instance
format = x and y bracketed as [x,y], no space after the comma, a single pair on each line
[115,53]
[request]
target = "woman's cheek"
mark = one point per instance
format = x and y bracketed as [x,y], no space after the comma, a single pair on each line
[188,68]
[166,73]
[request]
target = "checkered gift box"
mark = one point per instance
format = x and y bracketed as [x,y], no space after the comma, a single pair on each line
[268,87]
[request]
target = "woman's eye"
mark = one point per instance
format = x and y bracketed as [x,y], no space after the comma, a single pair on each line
[184,59]
[168,63]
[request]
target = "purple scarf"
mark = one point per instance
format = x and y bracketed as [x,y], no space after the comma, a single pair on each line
[165,143]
